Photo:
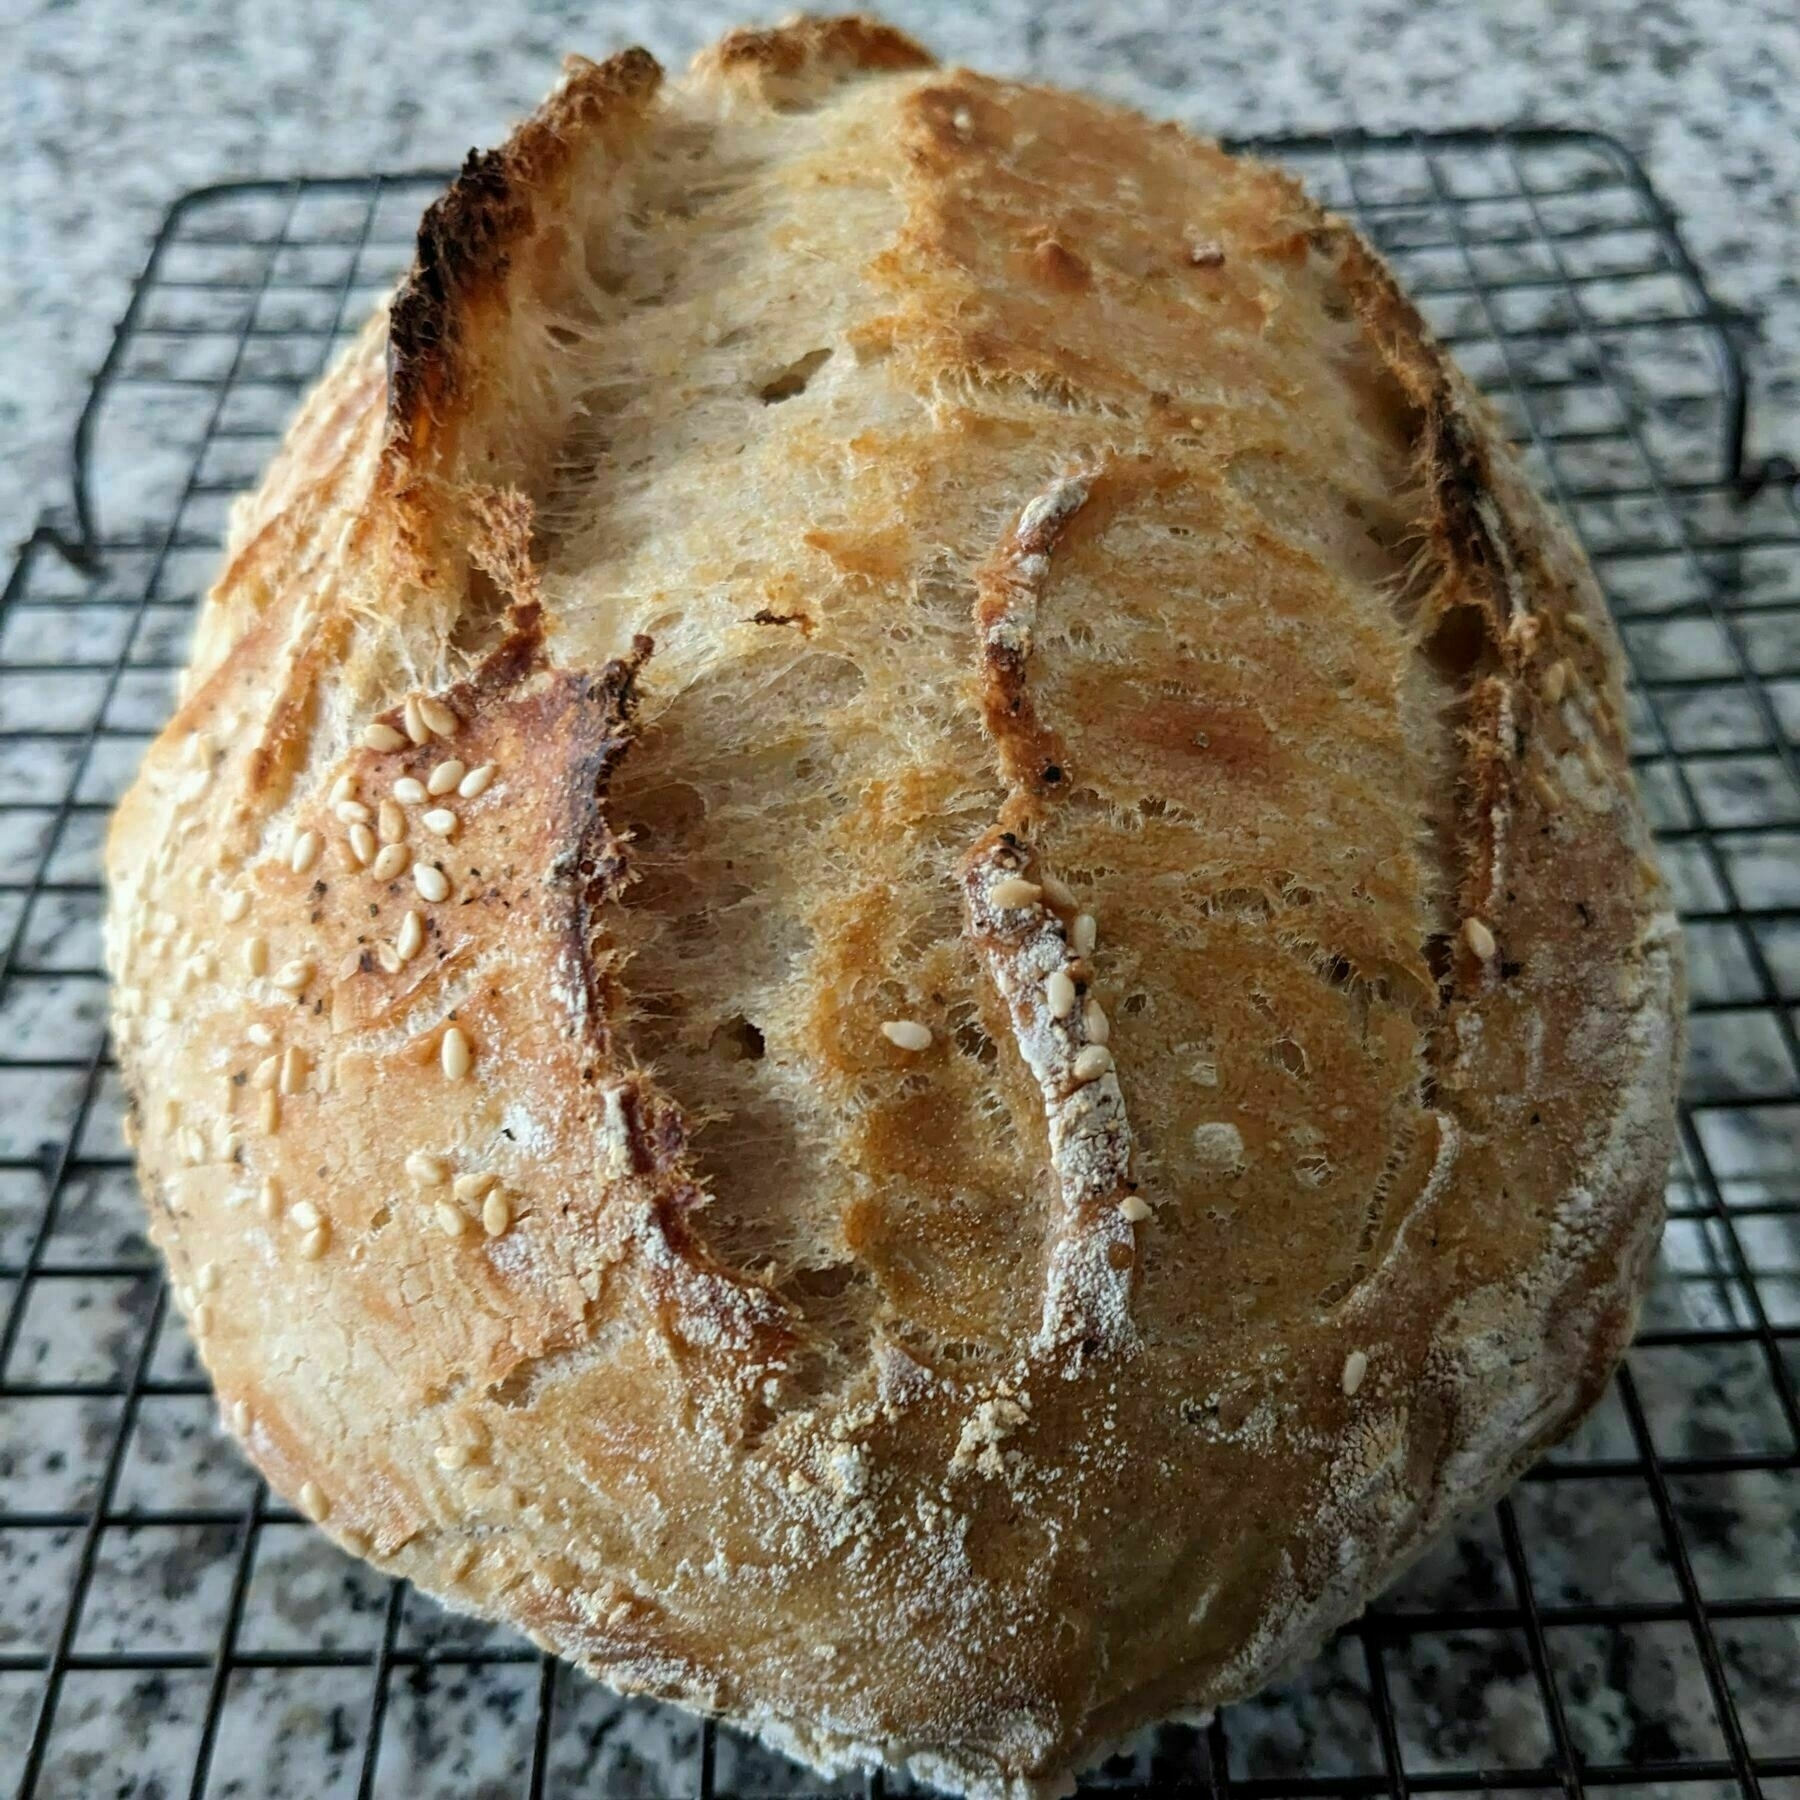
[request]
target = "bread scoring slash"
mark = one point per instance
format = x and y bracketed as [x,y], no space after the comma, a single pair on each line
[893,964]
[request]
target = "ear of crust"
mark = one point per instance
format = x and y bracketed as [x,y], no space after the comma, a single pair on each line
[498,247]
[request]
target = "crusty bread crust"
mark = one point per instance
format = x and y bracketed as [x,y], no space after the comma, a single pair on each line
[834,544]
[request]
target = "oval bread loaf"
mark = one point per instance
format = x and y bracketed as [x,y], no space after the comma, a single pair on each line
[893,965]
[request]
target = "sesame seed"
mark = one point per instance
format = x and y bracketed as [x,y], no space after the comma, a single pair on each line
[1095,1022]
[1093,1062]
[293,1069]
[446,775]
[352,812]
[292,977]
[454,1054]
[1059,991]
[313,1502]
[452,1457]
[390,959]
[431,881]
[381,737]
[441,820]
[315,1243]
[266,1074]
[427,1170]
[201,1319]
[304,1216]
[1556,682]
[466,1557]
[390,860]
[907,1034]
[241,1419]
[1013,890]
[269,1115]
[496,1213]
[414,720]
[390,822]
[1356,1366]
[1058,893]
[450,1221]
[1083,934]
[362,844]
[268,1197]
[304,853]
[409,791]
[256,956]
[476,781]
[439,718]
[206,1278]
[410,939]
[1577,626]
[475,1186]
[1479,938]
[1135,1212]
[236,904]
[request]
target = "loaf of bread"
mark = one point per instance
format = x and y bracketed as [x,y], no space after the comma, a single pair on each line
[894,965]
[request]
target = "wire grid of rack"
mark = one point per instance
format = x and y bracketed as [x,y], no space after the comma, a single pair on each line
[1628,1620]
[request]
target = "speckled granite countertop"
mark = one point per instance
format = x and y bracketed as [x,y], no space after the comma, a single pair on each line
[111,111]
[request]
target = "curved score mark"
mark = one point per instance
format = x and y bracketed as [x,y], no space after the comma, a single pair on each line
[1023,935]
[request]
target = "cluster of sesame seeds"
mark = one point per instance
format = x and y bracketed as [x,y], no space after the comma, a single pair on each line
[314,1229]
[479,1188]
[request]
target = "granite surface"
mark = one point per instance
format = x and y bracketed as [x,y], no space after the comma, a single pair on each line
[113,109]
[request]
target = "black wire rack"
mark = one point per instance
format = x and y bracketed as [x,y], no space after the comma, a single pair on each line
[1628,1620]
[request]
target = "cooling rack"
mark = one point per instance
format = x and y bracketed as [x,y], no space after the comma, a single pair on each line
[1627,1621]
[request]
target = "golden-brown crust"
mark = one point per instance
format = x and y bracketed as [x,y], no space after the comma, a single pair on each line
[557,1222]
